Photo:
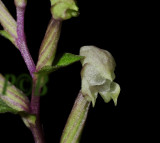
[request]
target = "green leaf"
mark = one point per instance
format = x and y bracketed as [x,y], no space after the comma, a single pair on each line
[65,60]
[68,59]
[5,108]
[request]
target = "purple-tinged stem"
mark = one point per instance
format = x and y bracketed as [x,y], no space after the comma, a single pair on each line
[21,41]
[22,46]
[35,100]
[37,132]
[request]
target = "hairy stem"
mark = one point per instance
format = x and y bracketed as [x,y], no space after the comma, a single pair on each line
[35,100]
[36,129]
[76,120]
[21,41]
[37,132]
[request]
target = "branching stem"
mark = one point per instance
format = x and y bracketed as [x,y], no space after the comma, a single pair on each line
[22,46]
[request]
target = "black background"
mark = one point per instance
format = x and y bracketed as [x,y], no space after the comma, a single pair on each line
[115,26]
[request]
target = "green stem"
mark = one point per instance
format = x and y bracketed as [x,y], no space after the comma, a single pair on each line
[76,120]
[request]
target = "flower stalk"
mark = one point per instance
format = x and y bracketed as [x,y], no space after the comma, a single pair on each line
[76,120]
[21,40]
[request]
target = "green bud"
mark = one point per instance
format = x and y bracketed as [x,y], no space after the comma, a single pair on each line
[7,36]
[20,3]
[12,98]
[8,23]
[98,74]
[63,9]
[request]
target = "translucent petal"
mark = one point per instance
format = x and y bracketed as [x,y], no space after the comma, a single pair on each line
[113,93]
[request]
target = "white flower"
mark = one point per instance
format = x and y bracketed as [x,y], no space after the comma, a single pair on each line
[98,74]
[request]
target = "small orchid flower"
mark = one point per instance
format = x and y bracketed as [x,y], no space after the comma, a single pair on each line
[98,74]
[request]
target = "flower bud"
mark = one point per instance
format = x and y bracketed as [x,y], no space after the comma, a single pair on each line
[13,97]
[20,3]
[98,74]
[8,23]
[63,9]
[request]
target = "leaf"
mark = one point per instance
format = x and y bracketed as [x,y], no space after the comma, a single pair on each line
[68,58]
[65,60]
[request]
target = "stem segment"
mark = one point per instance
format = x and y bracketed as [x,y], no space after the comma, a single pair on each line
[36,129]
[21,41]
[37,132]
[35,100]
[76,120]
